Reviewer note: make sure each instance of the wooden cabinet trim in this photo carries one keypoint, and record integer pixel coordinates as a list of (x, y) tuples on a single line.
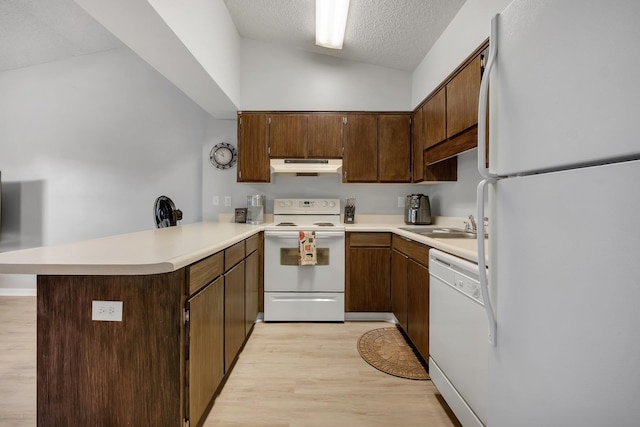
[(369, 239), (452, 147), (204, 271), (252, 243), (414, 250), (233, 255)]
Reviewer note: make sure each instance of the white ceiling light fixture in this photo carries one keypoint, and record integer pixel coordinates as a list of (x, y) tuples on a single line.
[(331, 22)]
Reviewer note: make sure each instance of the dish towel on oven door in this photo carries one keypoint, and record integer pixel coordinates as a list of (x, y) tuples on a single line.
[(307, 253)]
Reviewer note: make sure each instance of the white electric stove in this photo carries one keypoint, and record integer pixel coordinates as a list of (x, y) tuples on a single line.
[(304, 293)]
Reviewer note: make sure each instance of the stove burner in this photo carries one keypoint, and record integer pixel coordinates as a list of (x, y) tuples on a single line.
[(284, 224), (324, 224)]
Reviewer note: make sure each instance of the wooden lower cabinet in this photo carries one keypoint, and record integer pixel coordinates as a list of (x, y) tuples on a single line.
[(399, 287), (234, 322), (410, 290), (205, 358), (251, 282), (368, 267), (418, 306)]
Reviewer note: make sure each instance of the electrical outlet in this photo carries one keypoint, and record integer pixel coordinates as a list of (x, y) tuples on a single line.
[(216, 200), (400, 202), (227, 200), (106, 311)]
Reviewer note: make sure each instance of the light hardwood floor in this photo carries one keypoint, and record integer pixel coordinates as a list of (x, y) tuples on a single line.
[(17, 361), (289, 374), (298, 374)]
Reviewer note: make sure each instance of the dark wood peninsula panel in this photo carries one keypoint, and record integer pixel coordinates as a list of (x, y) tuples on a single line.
[(163, 362)]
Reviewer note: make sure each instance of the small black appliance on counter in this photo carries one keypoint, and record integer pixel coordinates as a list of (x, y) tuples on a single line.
[(417, 209)]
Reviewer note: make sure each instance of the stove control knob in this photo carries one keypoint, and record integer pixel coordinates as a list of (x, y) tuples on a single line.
[(324, 203), (289, 203), (281, 204), (332, 204)]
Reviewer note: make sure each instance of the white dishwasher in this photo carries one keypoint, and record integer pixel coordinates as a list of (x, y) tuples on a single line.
[(458, 337)]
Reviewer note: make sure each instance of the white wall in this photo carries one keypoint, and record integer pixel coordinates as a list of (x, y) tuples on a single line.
[(86, 146), (275, 77), (207, 30), (139, 26)]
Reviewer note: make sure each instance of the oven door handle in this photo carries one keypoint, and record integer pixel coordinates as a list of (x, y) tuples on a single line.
[(295, 234)]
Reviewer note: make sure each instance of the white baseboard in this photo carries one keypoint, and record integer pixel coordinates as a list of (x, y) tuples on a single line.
[(17, 292), (370, 317)]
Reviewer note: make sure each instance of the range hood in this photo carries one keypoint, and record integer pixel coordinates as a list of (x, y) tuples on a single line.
[(304, 167)]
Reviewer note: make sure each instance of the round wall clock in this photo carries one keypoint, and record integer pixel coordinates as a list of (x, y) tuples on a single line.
[(223, 155)]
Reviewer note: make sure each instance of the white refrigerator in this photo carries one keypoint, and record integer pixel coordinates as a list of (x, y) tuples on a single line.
[(562, 193)]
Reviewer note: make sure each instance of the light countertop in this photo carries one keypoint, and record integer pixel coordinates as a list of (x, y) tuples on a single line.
[(169, 249), (145, 252)]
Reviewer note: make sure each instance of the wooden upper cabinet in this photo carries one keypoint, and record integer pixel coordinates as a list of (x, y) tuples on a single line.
[(394, 148), (435, 119), (417, 146), (360, 162), (325, 136), (451, 111), (288, 135), (463, 93), (253, 155)]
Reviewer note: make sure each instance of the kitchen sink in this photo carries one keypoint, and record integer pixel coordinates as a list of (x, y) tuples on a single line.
[(441, 233)]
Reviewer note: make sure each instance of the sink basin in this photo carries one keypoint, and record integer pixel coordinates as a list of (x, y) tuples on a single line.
[(441, 233)]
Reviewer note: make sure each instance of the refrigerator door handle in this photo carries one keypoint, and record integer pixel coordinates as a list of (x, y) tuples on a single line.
[(482, 103), (482, 265)]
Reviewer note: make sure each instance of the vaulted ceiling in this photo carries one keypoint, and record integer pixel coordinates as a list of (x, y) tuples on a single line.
[(390, 33)]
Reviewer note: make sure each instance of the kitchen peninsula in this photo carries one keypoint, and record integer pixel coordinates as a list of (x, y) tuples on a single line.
[(189, 296)]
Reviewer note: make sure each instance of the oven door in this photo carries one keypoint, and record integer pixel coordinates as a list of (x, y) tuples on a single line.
[(283, 274)]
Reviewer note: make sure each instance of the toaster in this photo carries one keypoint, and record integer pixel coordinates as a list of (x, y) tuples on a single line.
[(417, 209)]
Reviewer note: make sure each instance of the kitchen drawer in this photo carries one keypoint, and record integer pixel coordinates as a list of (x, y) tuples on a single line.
[(417, 251), (252, 243), (233, 255), (370, 239), (205, 271)]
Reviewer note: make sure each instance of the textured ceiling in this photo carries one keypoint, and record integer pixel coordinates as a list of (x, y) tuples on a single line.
[(38, 31), (391, 33)]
